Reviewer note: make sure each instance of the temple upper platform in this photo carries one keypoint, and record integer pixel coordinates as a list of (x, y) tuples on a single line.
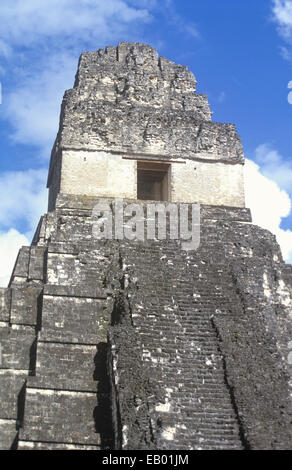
[(133, 126)]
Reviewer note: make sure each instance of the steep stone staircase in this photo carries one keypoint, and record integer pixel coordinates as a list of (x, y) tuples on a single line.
[(176, 295)]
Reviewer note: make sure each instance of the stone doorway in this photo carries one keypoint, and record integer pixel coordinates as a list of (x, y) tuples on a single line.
[(153, 181)]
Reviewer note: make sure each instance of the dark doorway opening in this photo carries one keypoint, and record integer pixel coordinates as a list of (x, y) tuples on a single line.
[(153, 181)]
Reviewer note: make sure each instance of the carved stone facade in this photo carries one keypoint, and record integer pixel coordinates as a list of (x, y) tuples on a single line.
[(128, 344)]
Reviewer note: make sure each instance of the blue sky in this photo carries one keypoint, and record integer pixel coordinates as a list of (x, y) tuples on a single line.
[(240, 52)]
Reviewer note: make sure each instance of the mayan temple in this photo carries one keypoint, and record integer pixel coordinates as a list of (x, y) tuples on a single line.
[(120, 343)]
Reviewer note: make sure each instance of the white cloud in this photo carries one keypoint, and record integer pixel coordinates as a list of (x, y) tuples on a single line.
[(274, 166), (23, 198), (282, 17), (27, 23), (33, 107), (10, 243), (286, 53), (269, 204), (282, 14)]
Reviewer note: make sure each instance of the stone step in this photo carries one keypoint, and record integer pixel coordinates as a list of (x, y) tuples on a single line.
[(60, 416), (8, 434)]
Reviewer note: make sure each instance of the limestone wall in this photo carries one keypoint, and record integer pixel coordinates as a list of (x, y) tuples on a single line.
[(108, 175), (98, 174), (214, 183)]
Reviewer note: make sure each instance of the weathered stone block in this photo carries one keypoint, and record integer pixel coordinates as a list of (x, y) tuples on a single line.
[(60, 416), (75, 320), (5, 304), (17, 348), (8, 434), (74, 291), (11, 394), (36, 263), (20, 271), (239, 214), (25, 304), (75, 367)]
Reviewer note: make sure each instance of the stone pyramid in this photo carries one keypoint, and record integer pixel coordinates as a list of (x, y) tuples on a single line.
[(124, 343)]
